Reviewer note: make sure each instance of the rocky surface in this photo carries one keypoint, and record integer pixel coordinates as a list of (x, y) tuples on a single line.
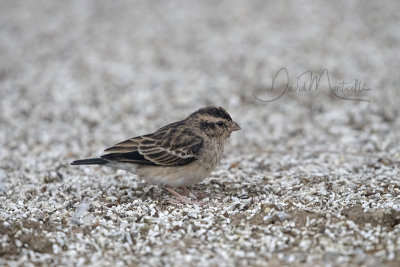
[(312, 179)]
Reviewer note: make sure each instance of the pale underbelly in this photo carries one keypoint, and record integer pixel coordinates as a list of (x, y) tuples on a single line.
[(190, 174)]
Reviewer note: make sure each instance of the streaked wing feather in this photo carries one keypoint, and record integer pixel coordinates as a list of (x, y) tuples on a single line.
[(169, 146), (170, 151), (126, 146), (130, 157)]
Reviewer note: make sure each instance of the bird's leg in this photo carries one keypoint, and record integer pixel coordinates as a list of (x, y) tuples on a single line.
[(181, 198), (185, 191)]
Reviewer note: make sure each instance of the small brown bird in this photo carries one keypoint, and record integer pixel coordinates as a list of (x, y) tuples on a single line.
[(179, 154)]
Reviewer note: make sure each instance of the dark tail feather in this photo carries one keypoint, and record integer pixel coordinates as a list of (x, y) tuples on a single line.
[(98, 161)]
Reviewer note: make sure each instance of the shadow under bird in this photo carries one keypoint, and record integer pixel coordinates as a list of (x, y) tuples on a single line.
[(179, 154)]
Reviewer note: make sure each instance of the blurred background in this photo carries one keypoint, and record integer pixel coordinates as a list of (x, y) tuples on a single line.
[(79, 76)]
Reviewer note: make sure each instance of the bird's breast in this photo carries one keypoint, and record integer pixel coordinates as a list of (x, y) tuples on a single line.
[(211, 154)]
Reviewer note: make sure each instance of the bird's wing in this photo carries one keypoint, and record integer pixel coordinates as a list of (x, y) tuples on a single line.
[(169, 146)]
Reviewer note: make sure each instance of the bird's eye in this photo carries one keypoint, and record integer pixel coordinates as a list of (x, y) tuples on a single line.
[(220, 123)]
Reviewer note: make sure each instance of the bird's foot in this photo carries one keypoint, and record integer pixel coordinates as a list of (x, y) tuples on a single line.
[(185, 191), (182, 199)]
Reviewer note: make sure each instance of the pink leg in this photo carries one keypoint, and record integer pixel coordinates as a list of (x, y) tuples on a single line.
[(186, 192), (181, 198)]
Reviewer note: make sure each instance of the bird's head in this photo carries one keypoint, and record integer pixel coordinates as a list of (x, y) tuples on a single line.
[(214, 122)]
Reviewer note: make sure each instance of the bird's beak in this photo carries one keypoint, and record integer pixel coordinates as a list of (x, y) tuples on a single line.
[(235, 127)]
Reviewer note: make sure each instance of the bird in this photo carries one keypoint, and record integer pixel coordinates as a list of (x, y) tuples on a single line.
[(180, 154)]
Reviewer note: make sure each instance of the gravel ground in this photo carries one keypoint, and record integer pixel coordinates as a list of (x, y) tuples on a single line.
[(312, 179)]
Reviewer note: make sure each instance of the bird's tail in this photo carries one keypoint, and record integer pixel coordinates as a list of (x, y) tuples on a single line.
[(98, 161)]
